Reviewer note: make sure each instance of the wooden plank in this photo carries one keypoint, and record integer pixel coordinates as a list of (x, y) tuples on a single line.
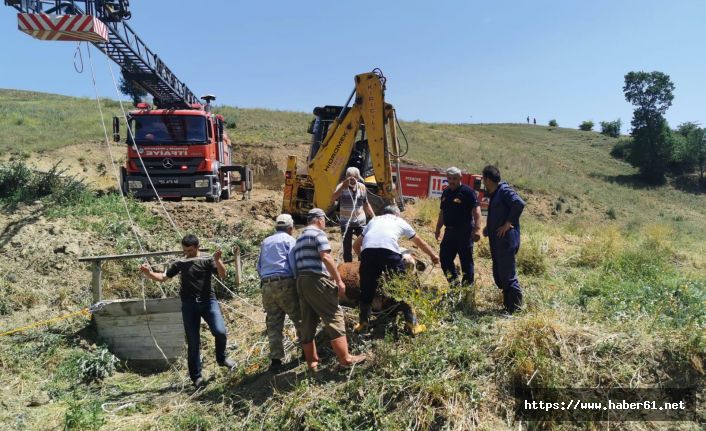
[(123, 343), (141, 331), (96, 282), (131, 307), (141, 354), (132, 255), (238, 266), (153, 319)]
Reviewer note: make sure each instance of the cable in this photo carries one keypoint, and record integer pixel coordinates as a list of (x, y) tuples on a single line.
[(403, 135), (80, 57), (112, 159), (139, 156)]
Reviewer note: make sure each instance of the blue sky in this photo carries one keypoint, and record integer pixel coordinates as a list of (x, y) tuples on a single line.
[(446, 61)]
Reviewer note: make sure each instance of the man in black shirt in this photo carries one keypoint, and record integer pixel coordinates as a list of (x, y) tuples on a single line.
[(197, 300), (461, 218)]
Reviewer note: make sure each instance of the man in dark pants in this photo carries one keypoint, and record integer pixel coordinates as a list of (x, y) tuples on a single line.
[(503, 231), (380, 253), (354, 206), (461, 217), (197, 300)]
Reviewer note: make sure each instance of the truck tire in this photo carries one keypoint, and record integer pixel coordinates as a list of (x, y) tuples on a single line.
[(225, 194)]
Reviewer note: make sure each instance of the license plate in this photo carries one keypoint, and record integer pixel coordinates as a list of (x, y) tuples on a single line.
[(168, 181)]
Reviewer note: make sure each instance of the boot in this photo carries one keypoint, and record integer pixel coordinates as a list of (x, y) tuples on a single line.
[(364, 317), (312, 358), (340, 348), (411, 323), (415, 328)]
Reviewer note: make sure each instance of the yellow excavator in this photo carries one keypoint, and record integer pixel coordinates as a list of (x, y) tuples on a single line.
[(363, 135)]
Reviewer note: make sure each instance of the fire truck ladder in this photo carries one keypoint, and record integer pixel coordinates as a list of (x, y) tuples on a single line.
[(123, 46)]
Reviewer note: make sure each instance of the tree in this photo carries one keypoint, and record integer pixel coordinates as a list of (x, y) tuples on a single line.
[(553, 123), (586, 126), (696, 144), (611, 128), (132, 89), (685, 141), (651, 93)]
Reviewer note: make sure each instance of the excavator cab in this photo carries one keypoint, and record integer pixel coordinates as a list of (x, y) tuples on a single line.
[(319, 127)]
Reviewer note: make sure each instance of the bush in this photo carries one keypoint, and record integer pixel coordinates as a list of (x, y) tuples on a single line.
[(586, 126), (97, 365), (553, 123), (621, 149), (20, 184), (87, 367), (530, 259), (86, 416), (611, 128)]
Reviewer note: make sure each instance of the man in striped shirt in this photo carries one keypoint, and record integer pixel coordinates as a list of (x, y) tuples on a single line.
[(319, 286), (354, 206)]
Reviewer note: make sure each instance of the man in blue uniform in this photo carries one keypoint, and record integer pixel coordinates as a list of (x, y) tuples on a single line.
[(460, 216), (503, 231)]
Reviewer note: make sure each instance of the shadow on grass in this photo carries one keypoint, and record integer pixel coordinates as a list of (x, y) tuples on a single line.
[(260, 387), (633, 181), (689, 184), (13, 228)]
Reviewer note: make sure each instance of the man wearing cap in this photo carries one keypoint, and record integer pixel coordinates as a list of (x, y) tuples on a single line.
[(380, 253), (503, 231), (354, 206), (319, 287), (279, 291), (460, 216)]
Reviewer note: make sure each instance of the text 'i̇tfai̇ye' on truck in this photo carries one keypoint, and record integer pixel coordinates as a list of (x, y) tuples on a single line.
[(363, 135), (181, 146)]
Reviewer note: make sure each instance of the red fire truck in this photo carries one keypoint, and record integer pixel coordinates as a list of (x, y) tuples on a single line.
[(177, 149), (422, 182)]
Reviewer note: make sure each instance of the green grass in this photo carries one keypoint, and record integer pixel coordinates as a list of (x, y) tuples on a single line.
[(614, 277)]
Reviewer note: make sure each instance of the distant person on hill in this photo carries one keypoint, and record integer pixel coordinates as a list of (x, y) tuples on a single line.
[(198, 300), (460, 217), (503, 231), (354, 206), (535, 121), (528, 119)]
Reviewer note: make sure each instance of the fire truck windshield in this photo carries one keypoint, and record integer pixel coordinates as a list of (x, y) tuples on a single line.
[(168, 129)]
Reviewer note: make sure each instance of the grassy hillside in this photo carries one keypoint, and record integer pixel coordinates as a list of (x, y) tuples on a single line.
[(614, 275)]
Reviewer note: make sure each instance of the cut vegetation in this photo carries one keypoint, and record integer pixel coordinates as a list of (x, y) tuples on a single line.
[(614, 274)]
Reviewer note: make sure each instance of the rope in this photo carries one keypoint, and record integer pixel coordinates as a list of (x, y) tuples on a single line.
[(84, 311), (124, 199), (80, 57), (139, 156), (133, 229)]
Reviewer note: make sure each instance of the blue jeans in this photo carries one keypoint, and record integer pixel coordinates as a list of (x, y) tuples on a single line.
[(192, 310), (457, 242)]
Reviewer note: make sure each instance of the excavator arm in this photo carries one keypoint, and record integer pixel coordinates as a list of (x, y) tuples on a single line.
[(327, 166)]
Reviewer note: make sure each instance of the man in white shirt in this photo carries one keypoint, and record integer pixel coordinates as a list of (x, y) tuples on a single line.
[(380, 252)]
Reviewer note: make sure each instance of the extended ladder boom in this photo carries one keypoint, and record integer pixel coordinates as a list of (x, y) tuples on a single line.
[(119, 42)]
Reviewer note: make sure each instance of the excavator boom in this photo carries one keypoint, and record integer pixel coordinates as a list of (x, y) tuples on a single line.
[(367, 126)]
